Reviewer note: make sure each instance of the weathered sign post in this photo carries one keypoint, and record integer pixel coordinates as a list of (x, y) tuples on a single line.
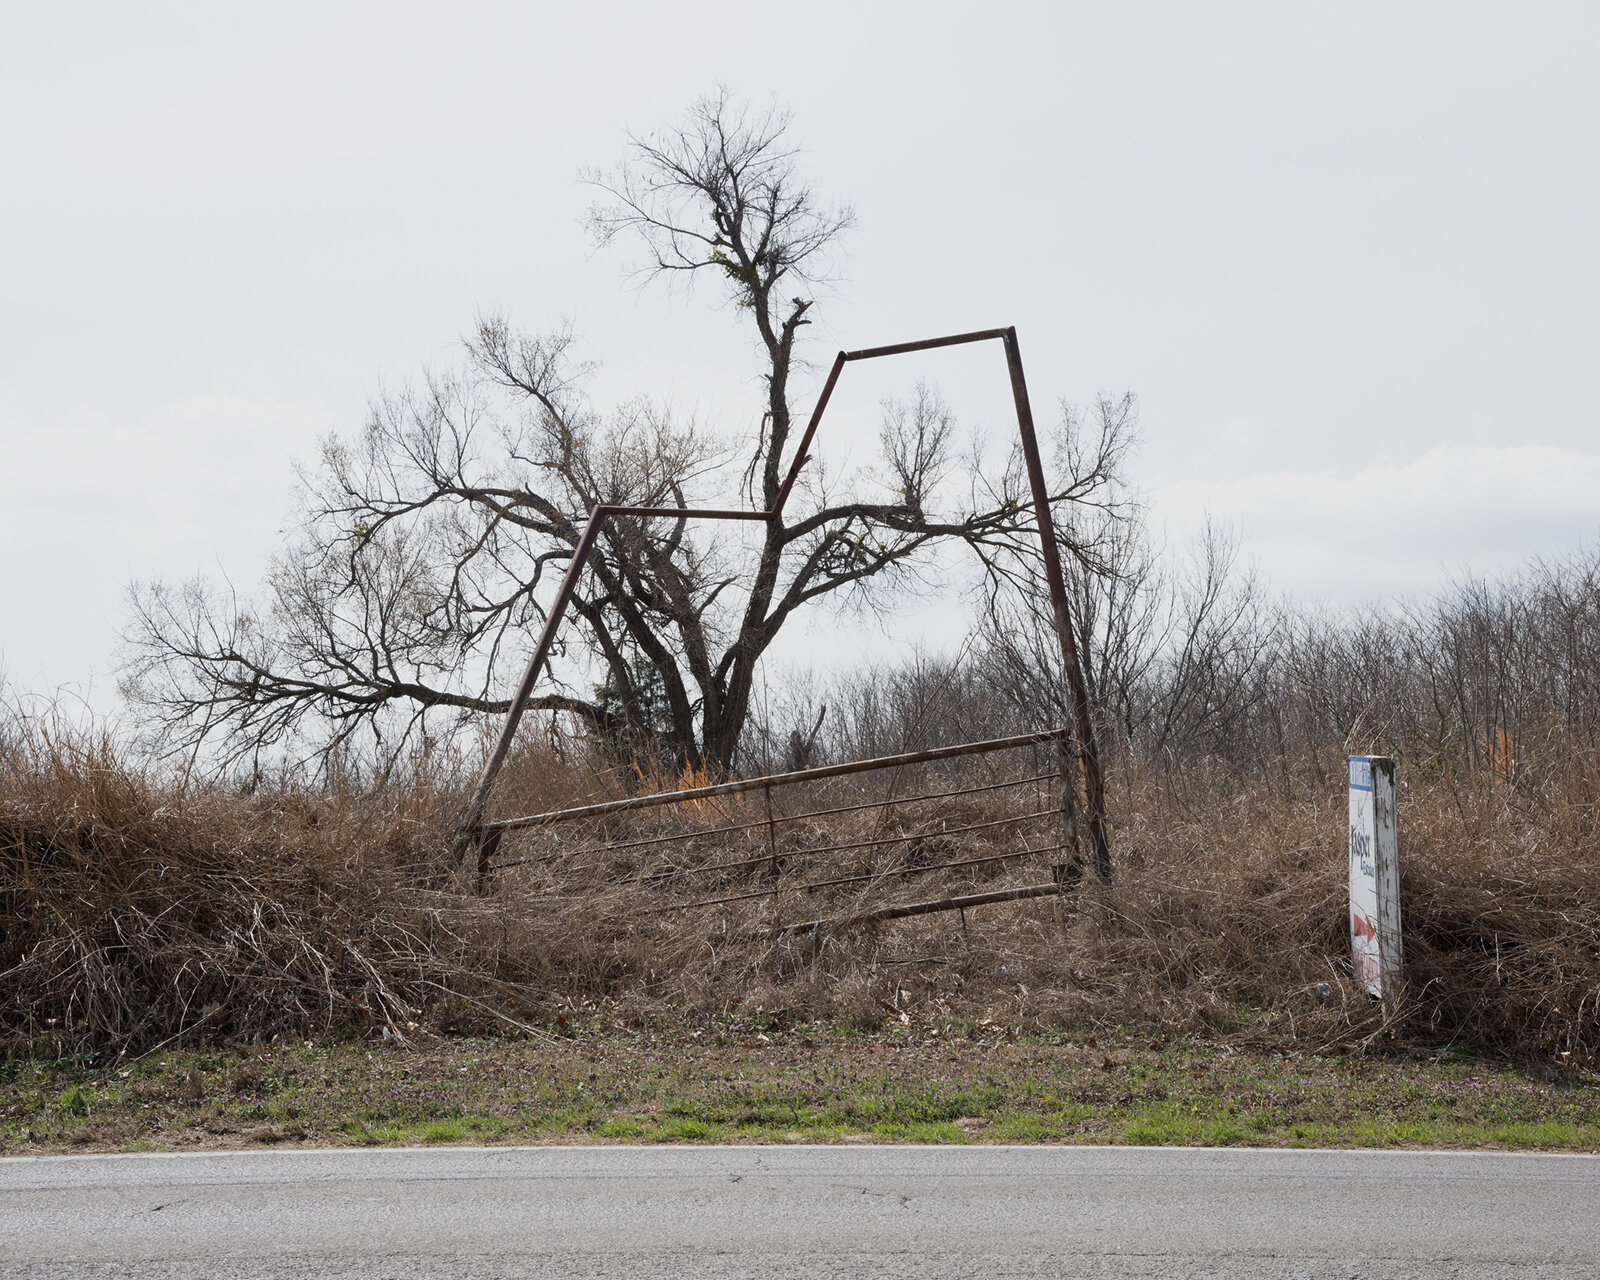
[(1374, 875)]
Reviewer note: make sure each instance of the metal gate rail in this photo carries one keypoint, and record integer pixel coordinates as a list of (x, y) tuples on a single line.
[(1008, 827), (778, 780)]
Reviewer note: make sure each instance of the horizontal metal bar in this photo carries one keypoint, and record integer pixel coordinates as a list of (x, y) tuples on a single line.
[(744, 864), (775, 780), (925, 344), (691, 513), (869, 353), (919, 909), (882, 803), (874, 875), (657, 877)]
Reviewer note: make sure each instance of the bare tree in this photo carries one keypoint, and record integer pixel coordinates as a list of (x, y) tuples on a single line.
[(431, 543), (1177, 651), (1116, 591)]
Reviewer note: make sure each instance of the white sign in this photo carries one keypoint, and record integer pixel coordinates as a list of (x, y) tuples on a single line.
[(1374, 875)]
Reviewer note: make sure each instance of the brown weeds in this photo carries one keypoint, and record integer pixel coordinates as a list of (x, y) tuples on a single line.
[(134, 912)]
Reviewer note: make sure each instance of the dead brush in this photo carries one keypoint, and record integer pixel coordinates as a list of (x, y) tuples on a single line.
[(135, 913)]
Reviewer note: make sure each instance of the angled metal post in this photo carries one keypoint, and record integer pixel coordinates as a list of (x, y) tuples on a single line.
[(1083, 722), (470, 833)]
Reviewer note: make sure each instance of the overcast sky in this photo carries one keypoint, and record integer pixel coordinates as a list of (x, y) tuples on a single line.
[(1344, 255)]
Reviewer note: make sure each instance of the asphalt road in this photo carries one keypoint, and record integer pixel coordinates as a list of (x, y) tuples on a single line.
[(802, 1211)]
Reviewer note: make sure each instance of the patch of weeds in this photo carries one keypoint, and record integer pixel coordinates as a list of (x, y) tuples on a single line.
[(1021, 1128), (940, 1132), (1533, 1136), (679, 1129), (1157, 1129), (1224, 1131)]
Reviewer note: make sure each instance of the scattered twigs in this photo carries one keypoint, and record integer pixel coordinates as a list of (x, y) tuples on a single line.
[(535, 1032), (172, 1039)]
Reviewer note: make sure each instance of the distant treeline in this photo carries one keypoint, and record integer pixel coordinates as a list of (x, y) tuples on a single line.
[(1200, 665)]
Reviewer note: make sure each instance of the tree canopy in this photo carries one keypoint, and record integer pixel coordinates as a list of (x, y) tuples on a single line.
[(430, 543)]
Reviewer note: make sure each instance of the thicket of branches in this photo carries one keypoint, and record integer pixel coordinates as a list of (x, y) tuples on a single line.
[(1192, 662)]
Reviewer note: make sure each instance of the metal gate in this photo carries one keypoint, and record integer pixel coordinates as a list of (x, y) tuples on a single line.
[(942, 829)]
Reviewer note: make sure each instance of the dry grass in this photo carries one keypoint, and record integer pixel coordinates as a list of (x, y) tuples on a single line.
[(134, 913), (1234, 899)]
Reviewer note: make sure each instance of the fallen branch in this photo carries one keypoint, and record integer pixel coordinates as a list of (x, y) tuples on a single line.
[(915, 909)]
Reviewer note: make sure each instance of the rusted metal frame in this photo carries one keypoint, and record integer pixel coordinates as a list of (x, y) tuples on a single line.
[(774, 867), (676, 836), (801, 454), (916, 909), (473, 831), (772, 840), (813, 885), (925, 344), (744, 864), (1088, 752), (660, 798), (472, 828), (1069, 871), (693, 513)]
